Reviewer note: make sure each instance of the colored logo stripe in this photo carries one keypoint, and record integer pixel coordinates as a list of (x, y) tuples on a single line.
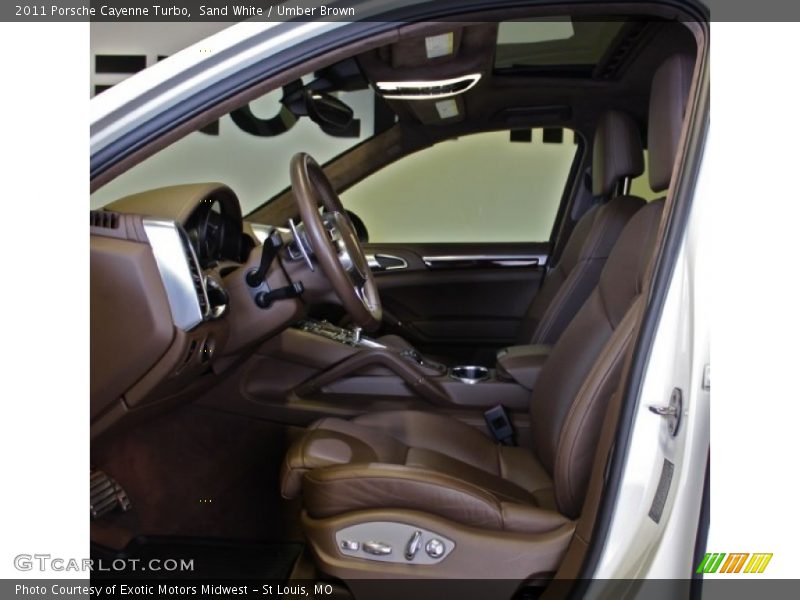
[(758, 563), (710, 562), (713, 562), (734, 563)]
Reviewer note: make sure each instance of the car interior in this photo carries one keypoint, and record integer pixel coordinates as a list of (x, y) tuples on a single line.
[(278, 397)]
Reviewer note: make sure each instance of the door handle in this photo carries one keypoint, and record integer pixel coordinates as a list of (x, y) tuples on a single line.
[(385, 262), (472, 260), (671, 412), (663, 411)]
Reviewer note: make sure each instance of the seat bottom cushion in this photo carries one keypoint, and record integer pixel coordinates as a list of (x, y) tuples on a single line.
[(420, 461)]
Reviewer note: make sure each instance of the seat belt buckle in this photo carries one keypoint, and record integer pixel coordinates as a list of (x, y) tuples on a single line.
[(499, 424)]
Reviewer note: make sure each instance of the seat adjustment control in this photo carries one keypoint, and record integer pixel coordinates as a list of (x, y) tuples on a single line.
[(434, 548), (350, 545), (391, 542), (413, 545), (376, 548)]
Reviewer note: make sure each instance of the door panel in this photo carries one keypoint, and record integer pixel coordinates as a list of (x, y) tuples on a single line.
[(454, 299)]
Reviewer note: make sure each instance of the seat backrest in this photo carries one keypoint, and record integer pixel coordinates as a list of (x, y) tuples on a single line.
[(570, 396), (616, 154)]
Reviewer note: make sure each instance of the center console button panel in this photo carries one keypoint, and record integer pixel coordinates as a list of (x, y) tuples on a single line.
[(351, 337)]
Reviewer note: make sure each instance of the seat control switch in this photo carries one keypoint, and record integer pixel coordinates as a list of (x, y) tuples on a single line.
[(350, 545), (435, 548), (391, 542), (376, 548), (413, 545)]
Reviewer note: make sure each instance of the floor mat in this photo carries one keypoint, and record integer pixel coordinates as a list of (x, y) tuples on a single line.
[(210, 559), (198, 473)]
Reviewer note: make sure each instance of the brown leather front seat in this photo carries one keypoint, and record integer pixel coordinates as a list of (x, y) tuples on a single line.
[(383, 485)]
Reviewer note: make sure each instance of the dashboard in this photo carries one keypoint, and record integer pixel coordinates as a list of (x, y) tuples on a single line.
[(171, 306)]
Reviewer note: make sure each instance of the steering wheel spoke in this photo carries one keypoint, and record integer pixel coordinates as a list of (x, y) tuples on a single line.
[(300, 248)]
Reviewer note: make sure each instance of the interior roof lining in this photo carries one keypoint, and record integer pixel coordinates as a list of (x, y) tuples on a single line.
[(263, 86)]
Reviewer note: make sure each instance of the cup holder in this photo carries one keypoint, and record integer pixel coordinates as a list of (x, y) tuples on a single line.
[(469, 374)]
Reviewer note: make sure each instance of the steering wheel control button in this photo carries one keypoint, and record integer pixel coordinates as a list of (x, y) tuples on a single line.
[(265, 299), (350, 545), (377, 548), (413, 545), (435, 548)]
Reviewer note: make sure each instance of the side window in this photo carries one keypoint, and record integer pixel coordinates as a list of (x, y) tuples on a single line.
[(249, 150), (478, 188)]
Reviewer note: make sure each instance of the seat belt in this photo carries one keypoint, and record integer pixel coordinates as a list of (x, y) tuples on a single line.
[(500, 426)]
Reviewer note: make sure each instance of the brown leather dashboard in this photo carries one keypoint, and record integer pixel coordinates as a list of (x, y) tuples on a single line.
[(169, 307)]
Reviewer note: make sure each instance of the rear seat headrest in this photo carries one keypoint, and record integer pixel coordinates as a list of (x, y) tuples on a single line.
[(669, 95), (616, 152)]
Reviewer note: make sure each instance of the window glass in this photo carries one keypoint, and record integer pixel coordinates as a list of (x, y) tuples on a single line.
[(554, 42), (478, 188), (249, 150)]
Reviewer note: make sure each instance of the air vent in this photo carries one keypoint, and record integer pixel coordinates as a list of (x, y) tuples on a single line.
[(104, 219), (615, 59), (194, 269)]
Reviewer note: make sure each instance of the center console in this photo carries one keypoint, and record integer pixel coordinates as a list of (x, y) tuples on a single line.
[(354, 337), (365, 366), (316, 370)]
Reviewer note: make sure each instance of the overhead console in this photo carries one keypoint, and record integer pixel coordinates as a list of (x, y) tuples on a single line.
[(430, 75)]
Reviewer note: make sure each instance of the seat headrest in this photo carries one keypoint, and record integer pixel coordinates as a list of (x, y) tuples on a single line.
[(616, 152), (669, 95)]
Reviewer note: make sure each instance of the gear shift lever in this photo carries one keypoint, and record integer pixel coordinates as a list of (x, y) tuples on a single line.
[(414, 356)]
